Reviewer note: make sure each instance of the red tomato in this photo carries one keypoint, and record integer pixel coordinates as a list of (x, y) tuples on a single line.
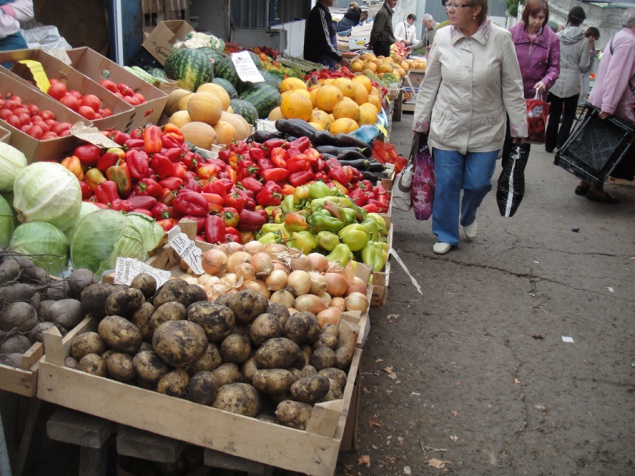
[(49, 135), (91, 101), (61, 127), (50, 122), (87, 112), (33, 109), (77, 94), (11, 104), (14, 121), (24, 118), (64, 133), (46, 114), (57, 90), (106, 112), (36, 132), (4, 113), (98, 116), (37, 118), (109, 85), (131, 100), (21, 110), (16, 98), (1, 102), (70, 102), (125, 89), (140, 97), (42, 126), (54, 80)]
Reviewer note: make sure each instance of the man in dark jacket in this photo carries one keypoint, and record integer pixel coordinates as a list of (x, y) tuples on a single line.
[(382, 35), (320, 38)]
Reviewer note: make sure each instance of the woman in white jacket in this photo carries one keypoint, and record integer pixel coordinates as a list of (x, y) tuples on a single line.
[(472, 80)]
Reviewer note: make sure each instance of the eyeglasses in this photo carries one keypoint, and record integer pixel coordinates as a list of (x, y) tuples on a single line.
[(457, 6)]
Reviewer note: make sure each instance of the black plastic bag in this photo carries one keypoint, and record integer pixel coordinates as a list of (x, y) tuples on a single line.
[(511, 182)]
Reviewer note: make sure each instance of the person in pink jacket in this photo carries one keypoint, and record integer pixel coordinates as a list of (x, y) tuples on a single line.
[(614, 94), (538, 53), (12, 12)]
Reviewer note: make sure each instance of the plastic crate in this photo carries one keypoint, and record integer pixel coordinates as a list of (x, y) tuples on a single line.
[(595, 146)]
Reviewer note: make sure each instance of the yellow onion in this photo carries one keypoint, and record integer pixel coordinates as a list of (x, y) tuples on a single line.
[(245, 271), (357, 302), (275, 250), (318, 283), (282, 296), (277, 280), (231, 247), (299, 282), (257, 285), (326, 297), (237, 258), (309, 302), (358, 285), (319, 262), (262, 263), (330, 315), (301, 263), (277, 264), (254, 246), (339, 303), (214, 262), (336, 284)]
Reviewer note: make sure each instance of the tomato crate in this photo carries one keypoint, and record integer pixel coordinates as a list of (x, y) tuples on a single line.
[(5, 135), (312, 451), (51, 67), (98, 67)]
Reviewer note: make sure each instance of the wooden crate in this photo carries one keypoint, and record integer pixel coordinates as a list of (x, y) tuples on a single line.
[(313, 451)]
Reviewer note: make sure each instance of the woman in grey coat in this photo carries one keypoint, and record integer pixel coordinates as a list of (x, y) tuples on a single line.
[(564, 94)]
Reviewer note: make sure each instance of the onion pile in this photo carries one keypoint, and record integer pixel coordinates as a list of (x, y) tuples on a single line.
[(284, 275)]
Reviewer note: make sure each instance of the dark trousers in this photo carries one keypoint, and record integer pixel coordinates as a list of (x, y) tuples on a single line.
[(557, 134), (381, 49)]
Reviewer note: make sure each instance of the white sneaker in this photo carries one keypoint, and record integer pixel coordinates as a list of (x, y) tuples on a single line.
[(470, 230), (441, 248)]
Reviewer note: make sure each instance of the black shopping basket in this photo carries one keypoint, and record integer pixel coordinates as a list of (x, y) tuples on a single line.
[(595, 146)]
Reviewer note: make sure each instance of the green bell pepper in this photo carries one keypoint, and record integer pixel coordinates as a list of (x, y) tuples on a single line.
[(323, 221), (350, 216), (328, 240), (288, 204), (295, 222), (372, 227), (304, 241), (269, 238), (381, 223), (356, 236), (374, 256), (341, 253), (319, 190)]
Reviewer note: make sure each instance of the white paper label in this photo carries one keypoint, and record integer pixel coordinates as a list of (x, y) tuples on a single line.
[(126, 269), (246, 68), (186, 249), (93, 136)]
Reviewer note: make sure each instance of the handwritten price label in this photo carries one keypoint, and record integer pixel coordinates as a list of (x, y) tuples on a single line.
[(186, 249)]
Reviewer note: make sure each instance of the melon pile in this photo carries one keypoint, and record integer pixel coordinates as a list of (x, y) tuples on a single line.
[(338, 105), (368, 63), (205, 116)]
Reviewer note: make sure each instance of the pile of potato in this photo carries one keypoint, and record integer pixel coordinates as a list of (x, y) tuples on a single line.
[(31, 302), (239, 353)]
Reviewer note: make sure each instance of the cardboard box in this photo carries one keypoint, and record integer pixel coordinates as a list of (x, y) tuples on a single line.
[(5, 135), (122, 112), (159, 42), (98, 67), (36, 150)]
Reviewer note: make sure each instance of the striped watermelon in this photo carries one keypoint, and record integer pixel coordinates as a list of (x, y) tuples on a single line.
[(245, 109), (190, 66), (264, 96), (227, 86), (225, 69), (271, 79)]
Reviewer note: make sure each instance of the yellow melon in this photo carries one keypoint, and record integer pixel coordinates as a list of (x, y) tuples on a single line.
[(296, 106), (360, 95), (200, 134), (275, 114), (313, 92), (218, 91), (321, 117), (303, 92), (405, 65), (364, 80), (327, 97), (290, 83), (357, 66), (205, 107), (328, 81), (241, 131), (384, 68), (343, 125), (346, 86), (172, 103), (367, 114), (375, 101), (179, 118), (183, 101), (317, 125), (346, 108), (225, 133)]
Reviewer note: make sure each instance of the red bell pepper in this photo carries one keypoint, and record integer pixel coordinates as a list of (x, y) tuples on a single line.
[(134, 144), (179, 170), (257, 154), (231, 216), (170, 142), (215, 203), (161, 165), (149, 186), (171, 183), (122, 205), (73, 164), (200, 222), (138, 163), (215, 186), (207, 171), (361, 196), (188, 202), (300, 178), (168, 196), (293, 151), (270, 195), (247, 236), (107, 192), (119, 137), (107, 160), (251, 220), (224, 155), (383, 207), (235, 200), (250, 201), (298, 163), (170, 130), (215, 229), (312, 155), (339, 174), (120, 174), (101, 206), (137, 133), (143, 201), (232, 235), (167, 223), (93, 177), (143, 211), (190, 160), (301, 143), (275, 175), (371, 208), (288, 189), (161, 211), (279, 157), (250, 183), (88, 154), (265, 164), (175, 154), (192, 184), (273, 143), (87, 192)]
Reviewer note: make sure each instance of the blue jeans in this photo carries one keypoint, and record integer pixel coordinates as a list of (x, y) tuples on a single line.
[(454, 171)]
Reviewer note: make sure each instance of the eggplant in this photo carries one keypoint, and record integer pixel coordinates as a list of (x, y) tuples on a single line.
[(371, 176), (359, 164), (345, 140), (296, 127), (376, 166), (350, 154), (263, 136), (322, 138), (331, 149)]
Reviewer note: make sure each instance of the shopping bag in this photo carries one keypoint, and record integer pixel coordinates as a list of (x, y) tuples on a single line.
[(511, 182), (423, 181), (402, 186), (537, 113)]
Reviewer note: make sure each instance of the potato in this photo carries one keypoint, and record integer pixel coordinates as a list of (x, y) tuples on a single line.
[(44, 310), (296, 328), (120, 334), (307, 351), (265, 326), (36, 334), (223, 299), (174, 383), (71, 362), (93, 364), (80, 279), (57, 290), (179, 343), (210, 360), (248, 369), (310, 389), (334, 393), (247, 305), (326, 340), (120, 367), (170, 311), (240, 398), (66, 313), (11, 360), (279, 310), (300, 361), (94, 299), (141, 319), (87, 343), (294, 414), (235, 348), (335, 374), (21, 316), (107, 354), (217, 321), (309, 371), (323, 358), (226, 374), (343, 358), (9, 270), (123, 302), (297, 373), (202, 388), (145, 283), (268, 418), (273, 381), (149, 367), (15, 344), (180, 291), (277, 353), (330, 329)]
